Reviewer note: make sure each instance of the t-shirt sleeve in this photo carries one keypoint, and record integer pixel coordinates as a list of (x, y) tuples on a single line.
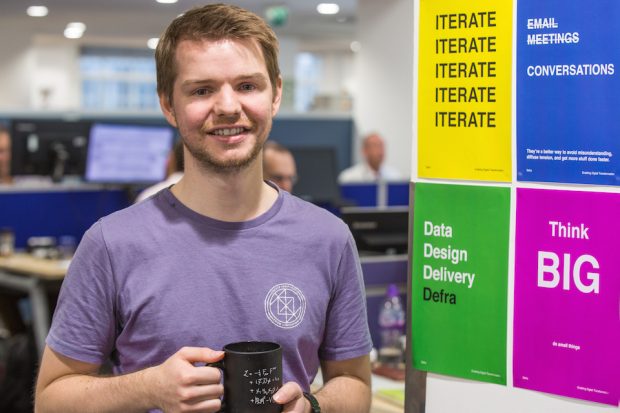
[(83, 326), (347, 335)]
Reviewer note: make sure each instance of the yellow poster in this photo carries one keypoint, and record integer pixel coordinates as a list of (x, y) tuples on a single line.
[(464, 89)]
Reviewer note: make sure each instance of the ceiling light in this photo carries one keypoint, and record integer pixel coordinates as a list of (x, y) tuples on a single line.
[(74, 30), (78, 26), (355, 46), (167, 1), (37, 11), (328, 8), (152, 42), (73, 33)]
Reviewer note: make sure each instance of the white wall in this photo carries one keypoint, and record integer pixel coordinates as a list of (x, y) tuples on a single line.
[(338, 72), (382, 98), (16, 63), (55, 77), (30, 64)]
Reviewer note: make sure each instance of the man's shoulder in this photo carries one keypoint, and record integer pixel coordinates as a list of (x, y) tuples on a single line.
[(357, 174), (133, 217), (306, 214), (353, 173)]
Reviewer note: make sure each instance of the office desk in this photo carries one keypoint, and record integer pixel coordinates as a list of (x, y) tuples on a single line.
[(32, 275), (379, 405)]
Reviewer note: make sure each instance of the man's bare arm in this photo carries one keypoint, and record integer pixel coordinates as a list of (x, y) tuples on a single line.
[(67, 385), (346, 389), (347, 386)]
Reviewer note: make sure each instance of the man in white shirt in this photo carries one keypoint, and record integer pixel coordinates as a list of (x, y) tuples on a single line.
[(372, 168)]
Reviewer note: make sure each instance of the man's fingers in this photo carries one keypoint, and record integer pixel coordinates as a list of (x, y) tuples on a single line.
[(288, 392), (200, 354), (197, 394), (204, 375), (203, 406)]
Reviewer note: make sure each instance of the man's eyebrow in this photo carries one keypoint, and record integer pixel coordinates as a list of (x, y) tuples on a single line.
[(249, 76), (191, 82), (257, 75)]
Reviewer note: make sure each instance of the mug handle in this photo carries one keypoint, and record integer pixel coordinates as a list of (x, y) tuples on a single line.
[(218, 365)]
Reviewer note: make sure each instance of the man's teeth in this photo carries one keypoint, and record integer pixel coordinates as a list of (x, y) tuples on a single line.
[(228, 132)]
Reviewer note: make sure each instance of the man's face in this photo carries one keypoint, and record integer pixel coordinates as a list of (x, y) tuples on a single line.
[(280, 168), (222, 102), (5, 155), (374, 151)]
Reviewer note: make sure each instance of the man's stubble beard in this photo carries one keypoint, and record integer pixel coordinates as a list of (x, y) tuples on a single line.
[(212, 164)]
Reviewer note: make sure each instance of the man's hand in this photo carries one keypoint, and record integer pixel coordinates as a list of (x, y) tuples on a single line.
[(292, 397), (179, 386)]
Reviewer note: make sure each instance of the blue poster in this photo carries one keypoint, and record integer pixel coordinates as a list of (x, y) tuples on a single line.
[(568, 91)]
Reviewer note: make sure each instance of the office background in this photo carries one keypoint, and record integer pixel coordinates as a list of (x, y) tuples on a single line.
[(40, 69), (340, 81)]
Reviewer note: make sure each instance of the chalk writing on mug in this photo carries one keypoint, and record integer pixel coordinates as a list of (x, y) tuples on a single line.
[(264, 383)]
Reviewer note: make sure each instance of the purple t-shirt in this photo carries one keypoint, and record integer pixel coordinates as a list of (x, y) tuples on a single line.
[(157, 276)]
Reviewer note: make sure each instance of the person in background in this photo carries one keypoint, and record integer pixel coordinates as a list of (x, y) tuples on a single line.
[(174, 172), (223, 256), (5, 156), (279, 165), (372, 168)]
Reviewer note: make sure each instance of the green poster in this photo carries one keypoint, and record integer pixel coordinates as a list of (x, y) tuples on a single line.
[(460, 280)]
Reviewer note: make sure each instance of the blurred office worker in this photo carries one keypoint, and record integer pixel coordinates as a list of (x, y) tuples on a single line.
[(5, 156), (160, 287), (174, 173), (279, 165), (372, 168)]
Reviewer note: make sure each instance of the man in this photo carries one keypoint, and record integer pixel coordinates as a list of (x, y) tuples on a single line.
[(160, 287), (279, 166), (5, 156), (174, 173), (372, 169)]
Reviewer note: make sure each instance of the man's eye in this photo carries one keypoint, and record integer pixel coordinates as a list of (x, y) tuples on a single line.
[(247, 87), (201, 92)]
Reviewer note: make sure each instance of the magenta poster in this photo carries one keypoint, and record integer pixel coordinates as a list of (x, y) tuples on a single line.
[(567, 294)]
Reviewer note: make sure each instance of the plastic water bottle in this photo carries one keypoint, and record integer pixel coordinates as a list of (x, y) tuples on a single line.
[(392, 324)]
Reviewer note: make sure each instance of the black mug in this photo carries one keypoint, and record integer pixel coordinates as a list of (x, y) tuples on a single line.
[(252, 373)]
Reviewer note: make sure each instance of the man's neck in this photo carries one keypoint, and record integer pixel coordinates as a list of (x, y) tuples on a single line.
[(232, 197)]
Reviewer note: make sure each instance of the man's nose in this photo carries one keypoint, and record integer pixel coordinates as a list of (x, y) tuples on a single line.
[(227, 102)]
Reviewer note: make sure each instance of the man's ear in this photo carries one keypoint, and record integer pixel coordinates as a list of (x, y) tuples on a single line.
[(277, 97), (168, 110)]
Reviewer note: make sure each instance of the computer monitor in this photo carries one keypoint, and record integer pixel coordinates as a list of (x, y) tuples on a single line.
[(128, 154), (378, 230), (317, 174), (52, 148)]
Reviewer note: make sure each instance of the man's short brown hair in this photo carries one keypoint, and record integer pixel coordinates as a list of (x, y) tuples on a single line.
[(213, 22)]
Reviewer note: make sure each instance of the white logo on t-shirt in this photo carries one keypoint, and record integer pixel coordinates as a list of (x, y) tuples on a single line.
[(285, 305)]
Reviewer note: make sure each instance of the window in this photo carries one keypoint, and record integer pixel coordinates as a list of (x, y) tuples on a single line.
[(118, 79)]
